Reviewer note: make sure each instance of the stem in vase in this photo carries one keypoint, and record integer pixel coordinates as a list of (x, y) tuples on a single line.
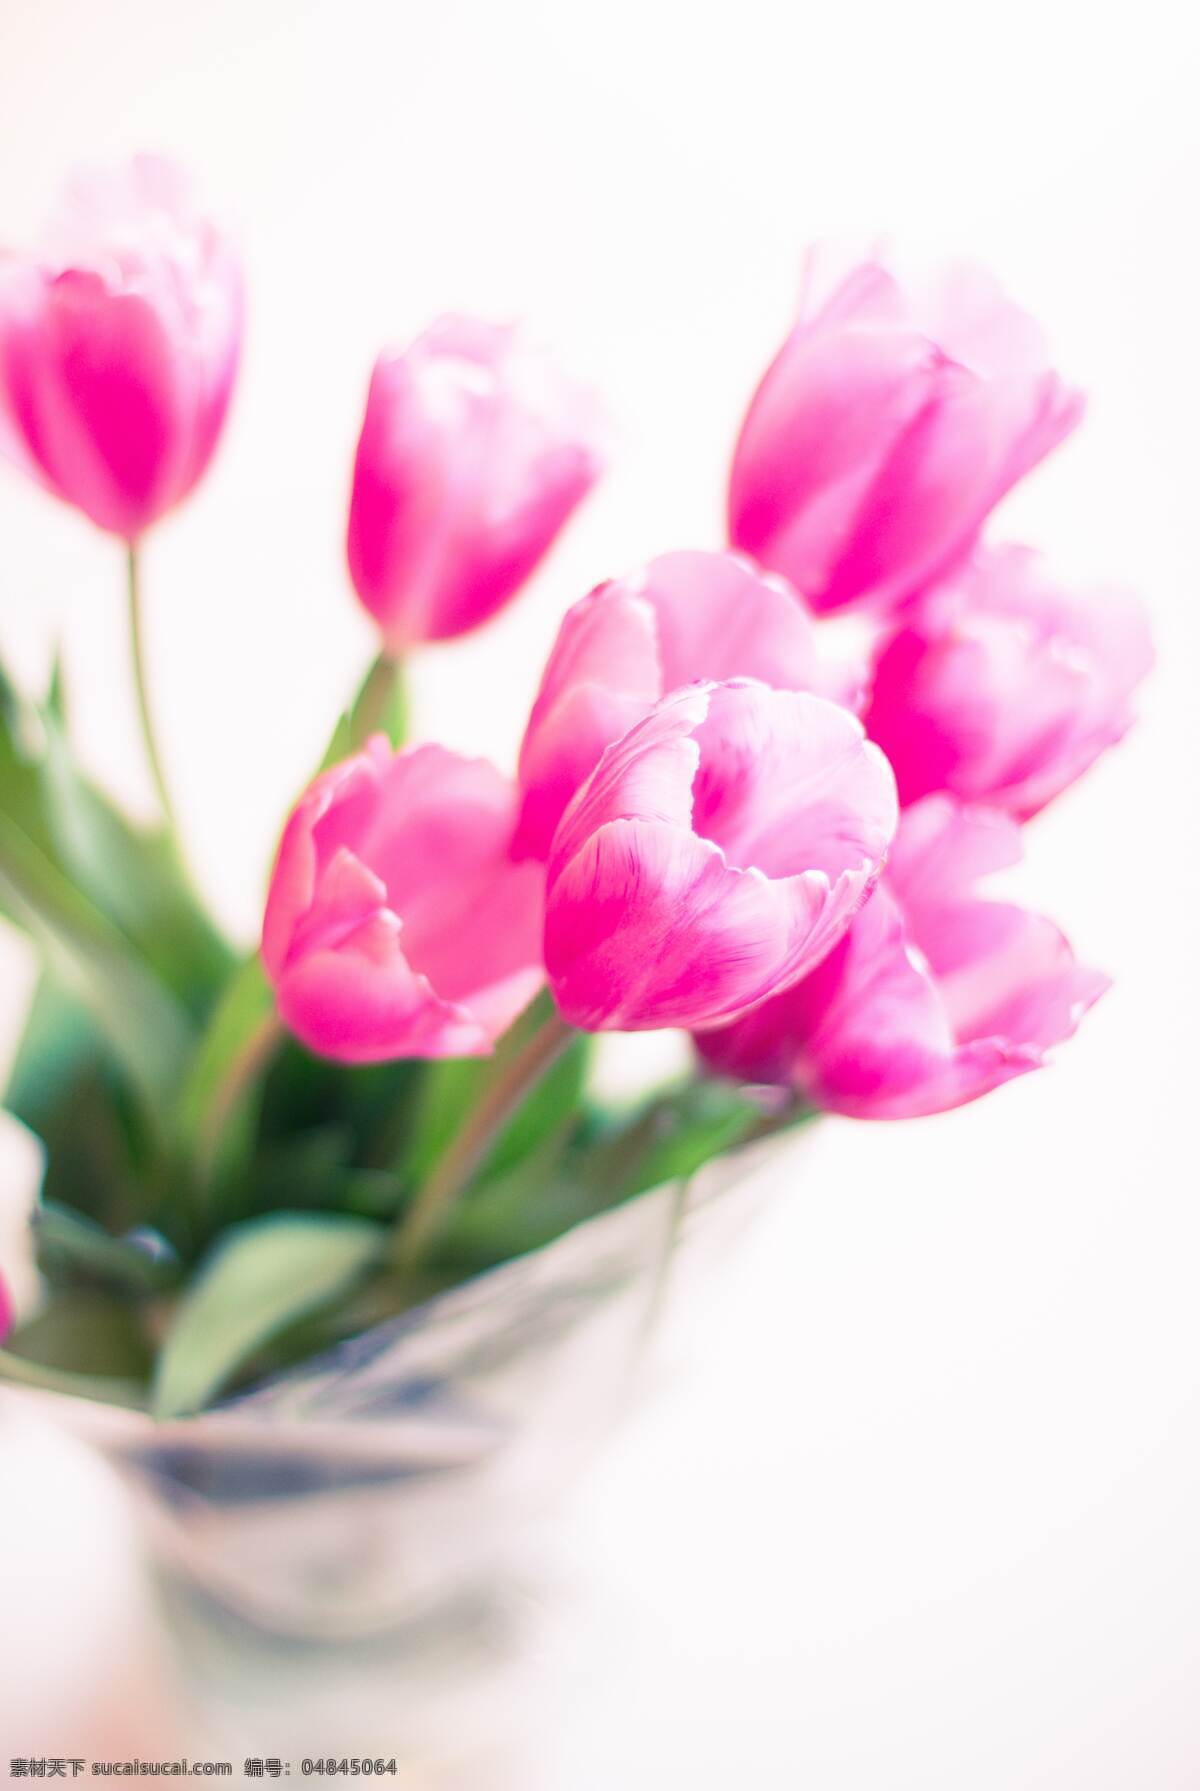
[(483, 1126)]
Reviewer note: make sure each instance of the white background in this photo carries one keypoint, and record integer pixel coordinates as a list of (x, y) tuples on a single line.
[(925, 1513)]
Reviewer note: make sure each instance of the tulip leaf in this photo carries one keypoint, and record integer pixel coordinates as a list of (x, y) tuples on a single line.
[(611, 1159), (222, 1088), (73, 1247), (261, 1277), (104, 1389), (84, 1331), (141, 1020), (131, 875), (135, 876)]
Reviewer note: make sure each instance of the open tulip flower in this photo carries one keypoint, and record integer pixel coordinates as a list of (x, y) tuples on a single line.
[(474, 452), (1003, 687), (682, 618), (890, 423), (251, 1158), (716, 853), (935, 995), (396, 924), (118, 347)]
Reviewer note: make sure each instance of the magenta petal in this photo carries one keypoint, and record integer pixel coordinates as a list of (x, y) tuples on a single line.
[(473, 454), (648, 927), (887, 428), (683, 618), (1004, 687), (397, 923), (716, 853), (118, 351), (364, 1004), (932, 998)]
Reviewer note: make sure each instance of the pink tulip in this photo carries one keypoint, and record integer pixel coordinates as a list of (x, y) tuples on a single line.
[(21, 1166), (889, 424), (717, 852), (118, 347), (396, 924), (1003, 687), (684, 617), (934, 996), (474, 452)]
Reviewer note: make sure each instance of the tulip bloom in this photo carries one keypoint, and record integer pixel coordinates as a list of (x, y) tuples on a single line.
[(1003, 688), (887, 427), (21, 1165), (118, 348), (396, 924), (717, 852), (934, 996), (474, 452), (682, 618)]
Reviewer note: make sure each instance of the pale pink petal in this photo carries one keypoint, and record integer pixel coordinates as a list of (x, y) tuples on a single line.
[(931, 999), (716, 853), (889, 425), (685, 617), (118, 351), (473, 454), (1004, 687), (397, 923)]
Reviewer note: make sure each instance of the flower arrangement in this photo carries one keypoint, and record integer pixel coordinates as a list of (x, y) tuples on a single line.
[(718, 824)]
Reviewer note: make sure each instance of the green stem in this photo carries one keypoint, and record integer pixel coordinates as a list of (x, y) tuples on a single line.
[(141, 685), (371, 710), (243, 1070), (378, 708), (500, 1101)]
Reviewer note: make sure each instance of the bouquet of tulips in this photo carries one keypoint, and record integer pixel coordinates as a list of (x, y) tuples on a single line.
[(722, 822)]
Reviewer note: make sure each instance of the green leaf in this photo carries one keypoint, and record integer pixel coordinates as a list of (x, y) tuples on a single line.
[(262, 1276), (222, 1089), (104, 1389), (67, 1087), (610, 1160), (146, 1028), (134, 875), (379, 707), (50, 822), (71, 1246), (675, 1134), (84, 1331)]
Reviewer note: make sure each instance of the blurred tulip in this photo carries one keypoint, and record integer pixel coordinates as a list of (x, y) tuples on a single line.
[(474, 451), (933, 997), (21, 1165), (396, 924), (716, 853), (85, 1657), (684, 617), (889, 424), (118, 347), (1003, 687)]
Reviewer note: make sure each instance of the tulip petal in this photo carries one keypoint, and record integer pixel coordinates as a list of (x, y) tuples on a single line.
[(397, 924)]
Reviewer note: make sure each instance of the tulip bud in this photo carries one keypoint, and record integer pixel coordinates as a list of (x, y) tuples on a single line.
[(1003, 687), (933, 997), (474, 452), (889, 424), (396, 923), (682, 618), (716, 853), (118, 347)]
